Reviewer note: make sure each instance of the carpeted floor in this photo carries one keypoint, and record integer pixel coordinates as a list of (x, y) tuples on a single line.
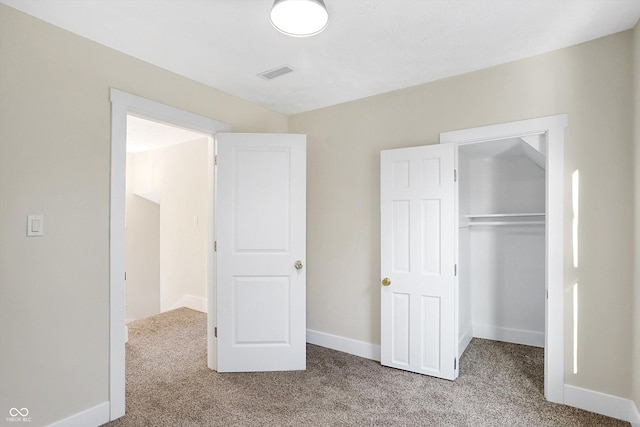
[(168, 384)]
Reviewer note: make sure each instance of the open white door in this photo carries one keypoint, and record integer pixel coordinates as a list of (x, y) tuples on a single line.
[(261, 249), (418, 295)]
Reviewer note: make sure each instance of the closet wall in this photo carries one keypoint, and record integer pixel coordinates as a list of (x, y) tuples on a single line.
[(142, 241), (166, 229), (501, 243)]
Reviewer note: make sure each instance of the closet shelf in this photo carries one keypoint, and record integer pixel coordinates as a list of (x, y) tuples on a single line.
[(487, 223), (484, 220), (506, 215)]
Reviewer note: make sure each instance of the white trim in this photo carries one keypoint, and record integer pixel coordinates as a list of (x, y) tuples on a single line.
[(635, 415), (464, 341), (212, 297), (553, 128), (516, 336), (116, 260), (123, 103), (505, 130), (156, 111), (554, 311), (601, 403), (95, 416), (191, 301), (346, 345)]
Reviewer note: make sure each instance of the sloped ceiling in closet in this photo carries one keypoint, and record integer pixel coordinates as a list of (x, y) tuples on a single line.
[(532, 147)]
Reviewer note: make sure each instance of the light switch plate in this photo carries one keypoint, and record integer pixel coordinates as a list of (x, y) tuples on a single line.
[(35, 225)]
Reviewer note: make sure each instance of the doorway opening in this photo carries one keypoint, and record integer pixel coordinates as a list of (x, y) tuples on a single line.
[(501, 232), (501, 245), (122, 105), (165, 223)]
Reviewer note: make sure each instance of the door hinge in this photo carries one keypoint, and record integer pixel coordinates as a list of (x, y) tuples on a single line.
[(215, 332), (125, 275), (455, 175), (455, 269), (215, 246), (215, 160), (455, 363)]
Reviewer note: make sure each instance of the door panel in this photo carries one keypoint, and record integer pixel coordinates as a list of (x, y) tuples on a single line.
[(400, 329), (431, 316), (262, 311), (431, 243), (262, 201), (417, 255), (260, 229), (400, 239)]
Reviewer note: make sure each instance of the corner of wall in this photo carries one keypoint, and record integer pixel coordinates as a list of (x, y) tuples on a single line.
[(635, 392)]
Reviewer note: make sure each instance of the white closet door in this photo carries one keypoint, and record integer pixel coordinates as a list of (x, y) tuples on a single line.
[(417, 260), (261, 243)]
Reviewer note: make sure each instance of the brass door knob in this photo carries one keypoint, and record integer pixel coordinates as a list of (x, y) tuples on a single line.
[(386, 281)]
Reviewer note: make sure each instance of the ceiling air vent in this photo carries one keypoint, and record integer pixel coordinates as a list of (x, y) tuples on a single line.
[(276, 72)]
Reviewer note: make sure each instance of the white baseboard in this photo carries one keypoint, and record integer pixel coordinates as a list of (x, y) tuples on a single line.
[(516, 336), (464, 341), (192, 302), (346, 345), (635, 416), (601, 403), (95, 416)]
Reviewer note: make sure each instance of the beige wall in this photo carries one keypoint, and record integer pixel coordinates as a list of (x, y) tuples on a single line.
[(636, 263), (183, 244), (142, 240), (166, 252), (589, 82), (54, 160)]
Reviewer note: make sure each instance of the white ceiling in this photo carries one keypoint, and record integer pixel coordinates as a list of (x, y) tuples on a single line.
[(144, 135), (369, 46)]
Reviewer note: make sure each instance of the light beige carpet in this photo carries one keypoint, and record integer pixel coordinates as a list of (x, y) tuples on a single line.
[(168, 384)]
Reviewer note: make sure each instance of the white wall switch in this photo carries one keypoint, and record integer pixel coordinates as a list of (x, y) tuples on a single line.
[(35, 225)]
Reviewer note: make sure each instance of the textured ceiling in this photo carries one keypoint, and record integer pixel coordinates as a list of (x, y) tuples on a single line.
[(369, 46)]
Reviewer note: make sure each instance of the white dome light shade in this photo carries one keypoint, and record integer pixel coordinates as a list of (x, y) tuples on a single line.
[(299, 18)]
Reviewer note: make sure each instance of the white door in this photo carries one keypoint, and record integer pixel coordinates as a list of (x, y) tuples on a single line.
[(261, 248), (418, 296)]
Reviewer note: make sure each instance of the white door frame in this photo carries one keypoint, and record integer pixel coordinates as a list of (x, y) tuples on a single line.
[(553, 128), (123, 103)]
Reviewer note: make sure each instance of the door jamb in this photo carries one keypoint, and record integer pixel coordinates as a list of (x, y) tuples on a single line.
[(123, 103), (553, 128)]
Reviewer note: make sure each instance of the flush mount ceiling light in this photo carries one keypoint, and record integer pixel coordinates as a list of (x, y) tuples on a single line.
[(299, 18)]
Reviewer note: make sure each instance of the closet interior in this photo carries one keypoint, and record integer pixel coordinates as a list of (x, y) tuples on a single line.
[(501, 241)]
